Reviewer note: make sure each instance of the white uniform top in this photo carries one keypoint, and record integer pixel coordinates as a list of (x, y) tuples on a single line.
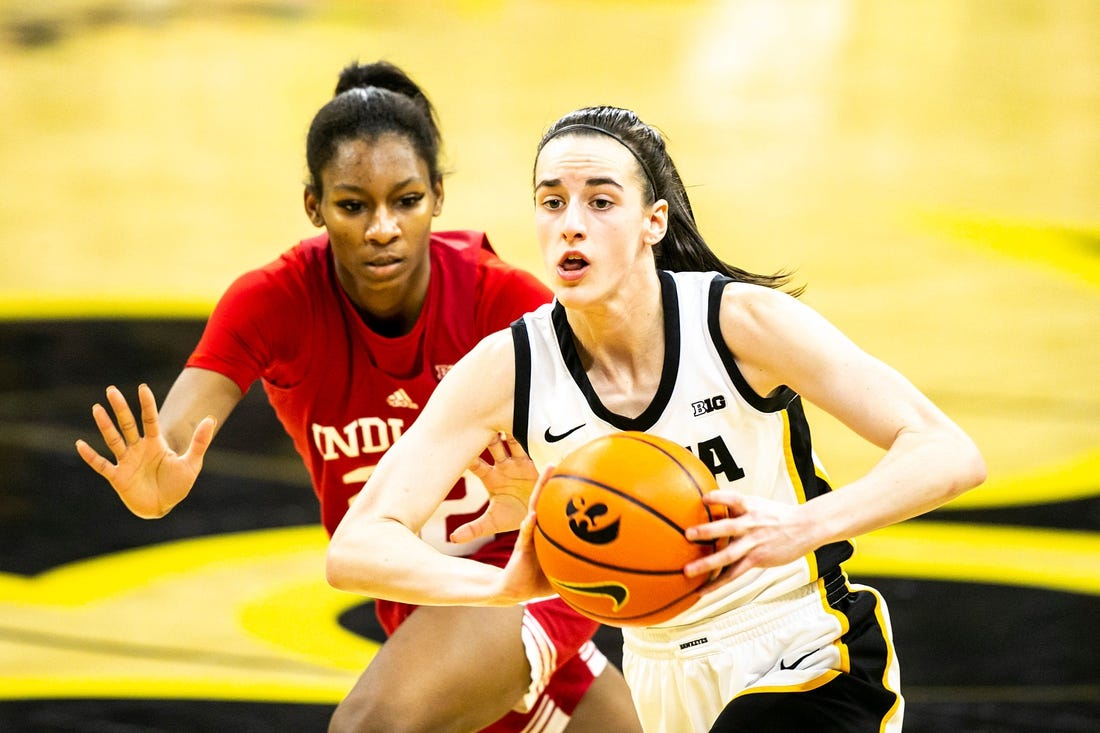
[(755, 445)]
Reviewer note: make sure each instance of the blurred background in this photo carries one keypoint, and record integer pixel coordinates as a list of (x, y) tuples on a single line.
[(931, 171)]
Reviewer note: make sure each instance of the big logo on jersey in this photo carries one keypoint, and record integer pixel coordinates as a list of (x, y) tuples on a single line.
[(590, 522)]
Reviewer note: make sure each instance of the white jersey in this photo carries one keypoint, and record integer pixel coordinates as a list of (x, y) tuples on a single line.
[(755, 445)]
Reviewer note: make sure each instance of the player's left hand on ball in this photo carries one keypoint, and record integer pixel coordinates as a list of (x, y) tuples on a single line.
[(509, 479), (523, 577), (759, 533)]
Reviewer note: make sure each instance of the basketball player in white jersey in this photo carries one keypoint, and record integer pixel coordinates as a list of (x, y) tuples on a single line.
[(650, 331)]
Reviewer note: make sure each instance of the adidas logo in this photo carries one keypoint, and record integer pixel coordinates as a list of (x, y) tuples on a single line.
[(401, 398)]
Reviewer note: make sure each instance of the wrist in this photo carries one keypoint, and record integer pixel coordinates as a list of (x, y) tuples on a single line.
[(818, 524)]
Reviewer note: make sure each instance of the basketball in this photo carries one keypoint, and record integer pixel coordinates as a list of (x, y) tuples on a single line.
[(609, 528)]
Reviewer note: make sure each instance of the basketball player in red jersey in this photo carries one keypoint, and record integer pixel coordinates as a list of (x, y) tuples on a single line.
[(350, 332)]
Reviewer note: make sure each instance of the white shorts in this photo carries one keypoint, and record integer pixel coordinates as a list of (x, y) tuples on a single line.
[(819, 658)]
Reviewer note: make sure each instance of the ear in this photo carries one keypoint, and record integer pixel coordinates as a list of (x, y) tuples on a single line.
[(437, 189), (657, 224), (313, 206)]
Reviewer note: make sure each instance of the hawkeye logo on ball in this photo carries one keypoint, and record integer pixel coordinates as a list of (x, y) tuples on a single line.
[(590, 523)]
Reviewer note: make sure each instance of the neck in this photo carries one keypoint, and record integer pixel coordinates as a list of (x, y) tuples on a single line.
[(621, 342)]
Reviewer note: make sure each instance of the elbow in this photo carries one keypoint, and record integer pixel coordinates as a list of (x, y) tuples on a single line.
[(971, 471), (977, 471), (338, 568), (361, 558)]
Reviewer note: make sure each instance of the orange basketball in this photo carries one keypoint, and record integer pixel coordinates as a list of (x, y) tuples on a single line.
[(609, 529)]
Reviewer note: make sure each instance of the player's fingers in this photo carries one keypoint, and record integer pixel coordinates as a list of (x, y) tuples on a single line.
[(497, 449), (149, 418), (479, 468), (734, 501), (731, 557), (526, 531), (107, 429), (514, 448), (127, 425), (479, 527), (98, 463), (200, 440), (728, 573), (734, 527)]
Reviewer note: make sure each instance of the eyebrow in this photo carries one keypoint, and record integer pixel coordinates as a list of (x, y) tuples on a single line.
[(357, 189), (590, 183)]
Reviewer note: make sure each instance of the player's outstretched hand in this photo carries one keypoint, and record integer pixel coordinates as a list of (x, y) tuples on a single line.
[(148, 475), (509, 479)]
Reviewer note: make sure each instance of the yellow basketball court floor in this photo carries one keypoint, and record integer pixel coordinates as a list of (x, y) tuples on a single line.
[(930, 170)]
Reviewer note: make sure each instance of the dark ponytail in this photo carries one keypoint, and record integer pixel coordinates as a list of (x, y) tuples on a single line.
[(372, 100), (683, 248)]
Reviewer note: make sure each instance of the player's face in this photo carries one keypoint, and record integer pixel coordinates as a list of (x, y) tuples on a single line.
[(593, 226), (377, 204)]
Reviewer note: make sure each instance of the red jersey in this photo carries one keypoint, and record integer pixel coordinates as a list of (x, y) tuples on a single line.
[(344, 393)]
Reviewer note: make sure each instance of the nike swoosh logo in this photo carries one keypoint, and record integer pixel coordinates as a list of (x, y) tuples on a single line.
[(551, 438), (615, 591), (796, 662)]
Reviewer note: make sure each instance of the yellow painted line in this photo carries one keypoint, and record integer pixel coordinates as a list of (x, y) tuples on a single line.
[(303, 619), (1075, 479), (86, 581), (1051, 559), (150, 686), (243, 616), (34, 306), (1068, 250)]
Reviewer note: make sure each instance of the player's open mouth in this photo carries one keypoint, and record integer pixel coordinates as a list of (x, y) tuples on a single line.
[(572, 266)]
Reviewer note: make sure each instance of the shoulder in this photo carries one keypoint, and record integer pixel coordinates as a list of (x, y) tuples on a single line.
[(502, 291), (308, 259), (776, 338), (470, 245), (461, 243), (298, 275), (754, 308), (760, 326)]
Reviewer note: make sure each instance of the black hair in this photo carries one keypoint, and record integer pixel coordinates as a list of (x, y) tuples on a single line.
[(372, 100), (683, 248)]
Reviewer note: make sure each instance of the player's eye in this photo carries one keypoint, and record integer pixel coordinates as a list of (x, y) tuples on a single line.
[(351, 206), (602, 204), (553, 203), (411, 201)]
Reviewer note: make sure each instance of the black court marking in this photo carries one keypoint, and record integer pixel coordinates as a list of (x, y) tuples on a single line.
[(1027, 666)]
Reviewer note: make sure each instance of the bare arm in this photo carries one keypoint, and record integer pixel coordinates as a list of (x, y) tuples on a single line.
[(929, 459), (158, 462), (375, 550)]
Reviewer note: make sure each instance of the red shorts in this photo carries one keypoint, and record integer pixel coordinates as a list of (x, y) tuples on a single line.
[(558, 641)]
